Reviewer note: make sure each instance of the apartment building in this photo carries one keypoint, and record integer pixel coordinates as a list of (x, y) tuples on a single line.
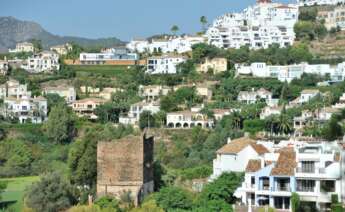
[(311, 169), (66, 92), (23, 47), (287, 73), (26, 109), (46, 61), (257, 26), (176, 44), (62, 49), (216, 65), (86, 107), (166, 64), (107, 57), (250, 97), (12, 88), (303, 3), (188, 119), (137, 109)]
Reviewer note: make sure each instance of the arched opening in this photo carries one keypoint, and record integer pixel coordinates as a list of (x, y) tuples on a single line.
[(178, 125), (207, 125), (199, 124), (171, 125), (185, 125)]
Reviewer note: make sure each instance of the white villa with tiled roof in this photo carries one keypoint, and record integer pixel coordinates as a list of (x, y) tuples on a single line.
[(188, 119)]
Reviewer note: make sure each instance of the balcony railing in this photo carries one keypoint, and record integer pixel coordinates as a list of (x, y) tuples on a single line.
[(311, 171), (283, 188)]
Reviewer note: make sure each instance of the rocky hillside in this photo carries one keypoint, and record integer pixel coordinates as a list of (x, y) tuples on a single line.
[(13, 30)]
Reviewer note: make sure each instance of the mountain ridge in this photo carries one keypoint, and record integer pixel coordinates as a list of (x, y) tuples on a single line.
[(13, 30)]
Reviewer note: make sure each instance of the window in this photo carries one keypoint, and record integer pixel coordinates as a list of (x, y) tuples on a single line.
[(327, 186), (305, 185), (308, 166)]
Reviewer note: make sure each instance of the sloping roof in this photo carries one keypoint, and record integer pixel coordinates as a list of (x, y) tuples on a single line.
[(310, 91), (286, 163), (259, 148), (253, 165), (235, 146)]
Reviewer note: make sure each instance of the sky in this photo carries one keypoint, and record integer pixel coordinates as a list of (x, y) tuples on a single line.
[(124, 19)]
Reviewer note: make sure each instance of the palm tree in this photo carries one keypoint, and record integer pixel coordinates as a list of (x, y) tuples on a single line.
[(284, 123), (203, 21), (174, 29), (237, 119)]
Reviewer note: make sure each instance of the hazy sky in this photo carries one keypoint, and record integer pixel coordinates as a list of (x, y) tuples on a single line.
[(120, 18)]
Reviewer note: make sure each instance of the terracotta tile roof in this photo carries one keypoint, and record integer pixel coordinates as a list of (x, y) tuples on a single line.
[(235, 146), (286, 163), (253, 165), (259, 148)]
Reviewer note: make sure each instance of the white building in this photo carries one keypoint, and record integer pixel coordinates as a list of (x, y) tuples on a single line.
[(46, 61), (26, 109), (136, 109), (12, 88), (188, 119), (179, 44), (66, 92), (319, 2), (106, 56), (165, 64), (312, 170), (250, 97), (257, 26), (306, 96), (234, 156), (289, 72), (23, 47)]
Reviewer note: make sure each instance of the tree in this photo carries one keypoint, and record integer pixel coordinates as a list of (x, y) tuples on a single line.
[(170, 198), (146, 119), (222, 188), (253, 126), (295, 202), (3, 186), (174, 29), (108, 203), (213, 205), (37, 44), (332, 130), (60, 125), (203, 21), (52, 194)]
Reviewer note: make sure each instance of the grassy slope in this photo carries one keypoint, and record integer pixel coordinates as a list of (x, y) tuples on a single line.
[(16, 188), (111, 71)]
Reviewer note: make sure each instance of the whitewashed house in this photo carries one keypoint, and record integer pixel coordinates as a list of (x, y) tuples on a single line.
[(188, 119), (234, 156), (250, 97), (165, 64), (86, 107), (107, 57), (136, 109), (46, 61), (270, 110), (26, 109)]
